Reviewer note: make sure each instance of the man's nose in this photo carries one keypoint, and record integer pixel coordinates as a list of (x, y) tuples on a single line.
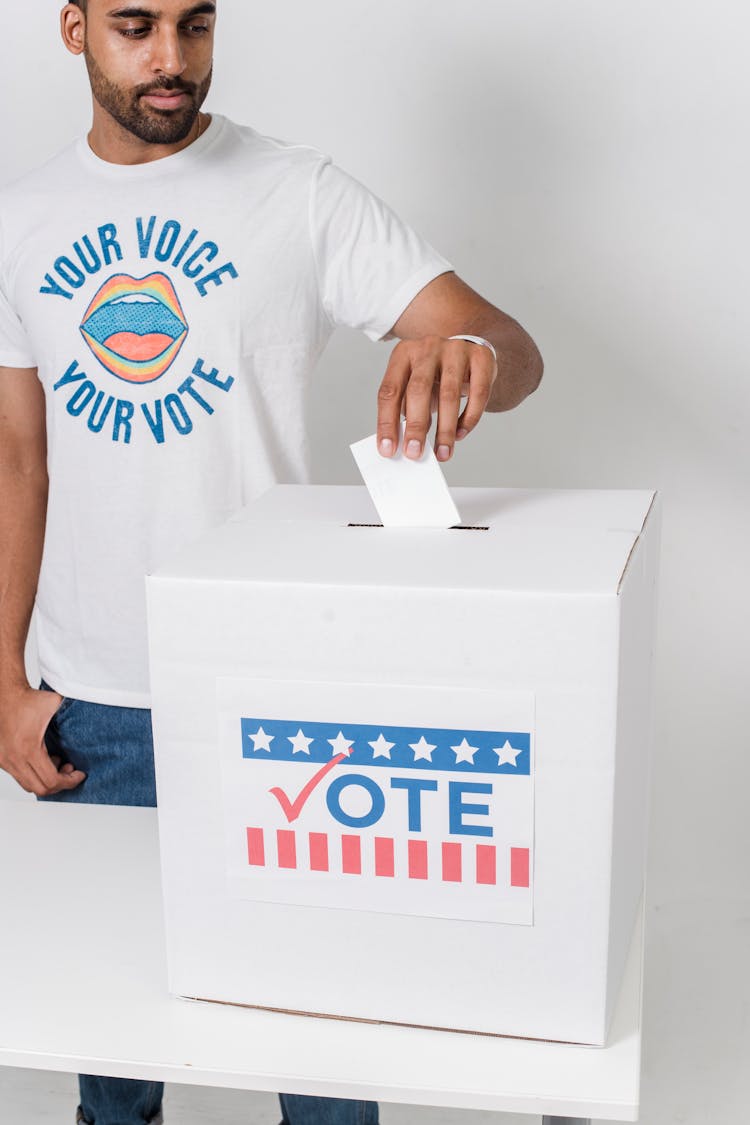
[(168, 56)]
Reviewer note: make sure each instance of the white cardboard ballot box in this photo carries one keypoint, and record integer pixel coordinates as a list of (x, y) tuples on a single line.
[(402, 774)]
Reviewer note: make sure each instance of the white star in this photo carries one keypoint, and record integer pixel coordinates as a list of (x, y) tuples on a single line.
[(422, 749), (261, 740), (506, 754), (341, 744), (300, 744), (380, 747), (464, 752)]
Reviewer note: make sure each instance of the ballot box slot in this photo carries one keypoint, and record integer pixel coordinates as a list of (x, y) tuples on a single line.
[(457, 527)]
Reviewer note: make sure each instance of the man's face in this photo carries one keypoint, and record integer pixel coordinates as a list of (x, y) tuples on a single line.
[(149, 63)]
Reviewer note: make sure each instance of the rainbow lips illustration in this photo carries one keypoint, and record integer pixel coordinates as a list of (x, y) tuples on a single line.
[(135, 327)]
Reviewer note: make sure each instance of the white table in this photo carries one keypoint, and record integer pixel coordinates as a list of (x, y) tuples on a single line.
[(82, 981)]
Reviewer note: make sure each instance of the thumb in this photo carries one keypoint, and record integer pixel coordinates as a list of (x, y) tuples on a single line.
[(47, 704)]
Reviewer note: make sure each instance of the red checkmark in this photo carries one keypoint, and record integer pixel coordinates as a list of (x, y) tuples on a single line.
[(292, 809)]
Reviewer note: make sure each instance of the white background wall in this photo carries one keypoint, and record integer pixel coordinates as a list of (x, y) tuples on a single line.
[(586, 166)]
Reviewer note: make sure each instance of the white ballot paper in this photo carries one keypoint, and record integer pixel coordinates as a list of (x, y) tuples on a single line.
[(406, 493)]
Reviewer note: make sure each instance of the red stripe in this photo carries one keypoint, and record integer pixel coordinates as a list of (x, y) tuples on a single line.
[(351, 855), (286, 847), (384, 856), (417, 859), (256, 853), (451, 863), (486, 864), (318, 851), (519, 867)]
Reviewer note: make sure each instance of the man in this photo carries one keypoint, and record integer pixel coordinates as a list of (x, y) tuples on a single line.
[(166, 287)]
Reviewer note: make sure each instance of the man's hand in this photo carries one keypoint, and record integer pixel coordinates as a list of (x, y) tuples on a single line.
[(429, 371), (428, 375), (24, 717)]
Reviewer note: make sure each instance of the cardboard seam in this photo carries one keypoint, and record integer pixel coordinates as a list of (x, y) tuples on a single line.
[(609, 1014), (636, 541), (388, 1023)]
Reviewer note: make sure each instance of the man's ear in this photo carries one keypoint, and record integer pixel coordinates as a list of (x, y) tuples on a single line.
[(73, 28)]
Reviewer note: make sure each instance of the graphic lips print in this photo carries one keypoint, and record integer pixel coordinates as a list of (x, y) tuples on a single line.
[(135, 327)]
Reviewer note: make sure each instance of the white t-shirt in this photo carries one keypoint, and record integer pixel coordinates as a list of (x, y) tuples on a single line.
[(175, 311)]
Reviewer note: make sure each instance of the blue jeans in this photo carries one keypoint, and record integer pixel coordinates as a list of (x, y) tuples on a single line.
[(114, 747)]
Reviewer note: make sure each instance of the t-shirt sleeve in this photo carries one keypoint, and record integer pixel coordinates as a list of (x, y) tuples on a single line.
[(14, 346), (370, 264)]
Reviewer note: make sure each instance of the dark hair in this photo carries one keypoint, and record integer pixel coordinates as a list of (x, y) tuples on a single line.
[(80, 4)]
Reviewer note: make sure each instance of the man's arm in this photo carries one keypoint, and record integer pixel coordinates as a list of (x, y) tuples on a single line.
[(429, 371), (24, 713)]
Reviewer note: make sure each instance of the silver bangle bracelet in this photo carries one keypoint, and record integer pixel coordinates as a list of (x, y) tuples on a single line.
[(476, 340)]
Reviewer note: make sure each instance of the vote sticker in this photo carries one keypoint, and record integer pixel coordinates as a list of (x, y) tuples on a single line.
[(402, 799)]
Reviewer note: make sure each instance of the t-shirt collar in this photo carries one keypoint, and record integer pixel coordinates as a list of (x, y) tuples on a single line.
[(153, 168)]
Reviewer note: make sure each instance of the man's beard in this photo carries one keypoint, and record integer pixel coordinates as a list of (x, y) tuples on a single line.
[(155, 126)]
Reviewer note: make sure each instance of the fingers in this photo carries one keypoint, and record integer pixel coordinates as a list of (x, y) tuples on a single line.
[(390, 397), (407, 389), (46, 774), (427, 375), (454, 377), (23, 753), (48, 779), (418, 402), (41, 782), (483, 375), (68, 778), (67, 768), (41, 776)]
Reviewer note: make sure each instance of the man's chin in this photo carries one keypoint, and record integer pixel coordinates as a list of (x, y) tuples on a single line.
[(163, 126)]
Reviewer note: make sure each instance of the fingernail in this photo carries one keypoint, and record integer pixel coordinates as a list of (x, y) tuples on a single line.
[(461, 433), (413, 448), (443, 452), (386, 446)]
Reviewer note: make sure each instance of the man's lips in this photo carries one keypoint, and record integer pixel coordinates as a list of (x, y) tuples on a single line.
[(167, 99)]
